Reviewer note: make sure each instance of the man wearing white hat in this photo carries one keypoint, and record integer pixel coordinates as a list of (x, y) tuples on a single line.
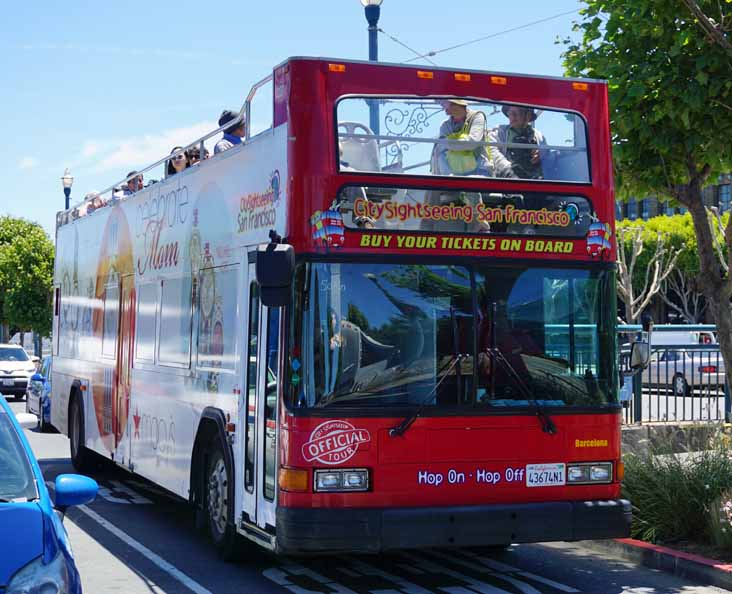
[(461, 150), (510, 160)]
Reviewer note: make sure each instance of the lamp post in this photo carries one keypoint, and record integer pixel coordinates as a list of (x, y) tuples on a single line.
[(67, 181), (372, 8)]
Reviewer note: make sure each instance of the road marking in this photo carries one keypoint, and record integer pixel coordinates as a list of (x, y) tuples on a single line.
[(471, 582), (279, 575), (168, 568), (404, 585)]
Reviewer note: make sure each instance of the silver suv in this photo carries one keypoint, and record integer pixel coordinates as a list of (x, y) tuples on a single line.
[(16, 368)]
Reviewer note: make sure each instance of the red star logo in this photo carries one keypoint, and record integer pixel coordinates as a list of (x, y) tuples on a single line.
[(136, 418)]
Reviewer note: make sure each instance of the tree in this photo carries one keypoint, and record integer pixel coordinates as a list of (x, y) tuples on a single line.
[(657, 267), (670, 103), (26, 276)]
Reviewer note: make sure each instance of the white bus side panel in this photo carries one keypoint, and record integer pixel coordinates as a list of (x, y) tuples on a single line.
[(181, 240)]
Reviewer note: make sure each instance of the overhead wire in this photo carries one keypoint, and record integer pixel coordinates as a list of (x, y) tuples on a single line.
[(414, 51), (505, 31)]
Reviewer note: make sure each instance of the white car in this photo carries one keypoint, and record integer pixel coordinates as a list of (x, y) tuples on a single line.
[(16, 368), (685, 371)]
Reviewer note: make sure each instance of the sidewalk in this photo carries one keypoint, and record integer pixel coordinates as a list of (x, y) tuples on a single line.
[(685, 565)]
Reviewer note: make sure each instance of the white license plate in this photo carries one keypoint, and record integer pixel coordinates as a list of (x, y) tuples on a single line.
[(8, 382), (545, 475)]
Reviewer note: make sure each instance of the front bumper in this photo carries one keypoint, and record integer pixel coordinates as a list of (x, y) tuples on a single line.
[(373, 530)]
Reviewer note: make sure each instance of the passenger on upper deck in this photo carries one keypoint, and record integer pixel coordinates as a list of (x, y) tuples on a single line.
[(232, 135), (177, 163), (194, 154), (512, 161), (135, 184), (461, 151)]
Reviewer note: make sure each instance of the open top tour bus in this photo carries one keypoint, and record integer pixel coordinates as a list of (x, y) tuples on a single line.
[(361, 329)]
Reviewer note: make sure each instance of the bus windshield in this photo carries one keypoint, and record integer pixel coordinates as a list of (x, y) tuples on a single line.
[(390, 335), (461, 137)]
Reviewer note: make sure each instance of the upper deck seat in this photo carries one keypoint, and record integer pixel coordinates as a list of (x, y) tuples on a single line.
[(361, 154)]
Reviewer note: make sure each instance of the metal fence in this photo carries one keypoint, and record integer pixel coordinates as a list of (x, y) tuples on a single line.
[(685, 380)]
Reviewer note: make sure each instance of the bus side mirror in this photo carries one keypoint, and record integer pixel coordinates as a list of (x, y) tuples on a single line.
[(640, 355), (275, 269)]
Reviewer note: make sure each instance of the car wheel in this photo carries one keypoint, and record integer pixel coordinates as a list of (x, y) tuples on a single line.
[(219, 505), (680, 385), (81, 457)]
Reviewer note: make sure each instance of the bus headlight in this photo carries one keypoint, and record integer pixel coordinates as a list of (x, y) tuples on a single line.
[(590, 473), (334, 481)]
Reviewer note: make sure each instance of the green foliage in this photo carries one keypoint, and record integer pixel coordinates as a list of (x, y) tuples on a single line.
[(26, 275), (720, 520), (672, 494), (670, 89)]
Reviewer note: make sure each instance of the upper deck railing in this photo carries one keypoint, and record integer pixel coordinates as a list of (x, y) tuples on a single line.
[(98, 201)]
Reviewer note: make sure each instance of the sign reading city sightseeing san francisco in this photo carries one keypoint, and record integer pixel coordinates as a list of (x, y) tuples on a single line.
[(441, 211), (334, 442)]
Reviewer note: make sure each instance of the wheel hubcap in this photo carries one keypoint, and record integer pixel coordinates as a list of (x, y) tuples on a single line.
[(679, 385), (218, 501)]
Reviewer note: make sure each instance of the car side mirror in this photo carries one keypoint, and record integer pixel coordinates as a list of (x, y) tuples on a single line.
[(640, 355), (27, 420), (37, 377), (275, 268), (74, 489)]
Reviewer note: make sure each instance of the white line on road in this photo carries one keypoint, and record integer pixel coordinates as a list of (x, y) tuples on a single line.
[(171, 570)]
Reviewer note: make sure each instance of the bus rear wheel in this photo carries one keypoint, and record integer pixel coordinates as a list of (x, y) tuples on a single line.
[(219, 506), (81, 458)]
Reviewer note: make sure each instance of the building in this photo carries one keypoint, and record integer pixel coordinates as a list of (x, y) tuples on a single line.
[(719, 195)]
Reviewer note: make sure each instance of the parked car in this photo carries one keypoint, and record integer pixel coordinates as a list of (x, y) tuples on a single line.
[(40, 558), (685, 369), (16, 368), (38, 395)]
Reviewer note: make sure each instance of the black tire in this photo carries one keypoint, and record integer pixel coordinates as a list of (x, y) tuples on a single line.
[(81, 457), (219, 504), (43, 427), (680, 385)]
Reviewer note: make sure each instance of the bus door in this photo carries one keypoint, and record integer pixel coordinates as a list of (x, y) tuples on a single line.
[(260, 404), (127, 308)]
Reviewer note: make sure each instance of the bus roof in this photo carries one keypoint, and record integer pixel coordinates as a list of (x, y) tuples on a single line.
[(437, 68)]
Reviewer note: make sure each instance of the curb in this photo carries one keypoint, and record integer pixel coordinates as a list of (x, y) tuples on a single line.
[(684, 565)]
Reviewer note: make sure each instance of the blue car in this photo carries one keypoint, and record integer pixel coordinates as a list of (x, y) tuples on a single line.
[(38, 395), (36, 555)]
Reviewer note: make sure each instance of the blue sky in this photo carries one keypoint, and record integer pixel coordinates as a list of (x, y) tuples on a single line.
[(106, 87)]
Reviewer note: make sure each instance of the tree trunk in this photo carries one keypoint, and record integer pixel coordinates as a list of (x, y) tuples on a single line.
[(711, 281)]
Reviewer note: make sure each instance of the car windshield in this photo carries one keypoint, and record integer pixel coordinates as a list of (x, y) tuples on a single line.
[(404, 334), (13, 354), (17, 482)]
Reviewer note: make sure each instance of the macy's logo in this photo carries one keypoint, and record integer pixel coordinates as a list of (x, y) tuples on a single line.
[(334, 442)]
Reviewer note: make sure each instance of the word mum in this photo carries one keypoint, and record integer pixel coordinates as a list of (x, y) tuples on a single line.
[(391, 211)]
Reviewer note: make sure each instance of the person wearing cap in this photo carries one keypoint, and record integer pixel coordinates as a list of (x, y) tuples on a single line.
[(512, 161), (232, 135), (461, 149)]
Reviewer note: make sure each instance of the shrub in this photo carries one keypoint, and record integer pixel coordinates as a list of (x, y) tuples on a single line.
[(673, 494), (720, 520)]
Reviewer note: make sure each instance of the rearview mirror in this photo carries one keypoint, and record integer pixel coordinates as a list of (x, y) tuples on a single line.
[(640, 355), (74, 489), (37, 377), (27, 420), (275, 268)]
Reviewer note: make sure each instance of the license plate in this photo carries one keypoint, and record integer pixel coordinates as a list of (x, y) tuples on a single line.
[(8, 382), (545, 475)]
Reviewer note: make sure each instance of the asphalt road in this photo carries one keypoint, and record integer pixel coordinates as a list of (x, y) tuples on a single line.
[(135, 539)]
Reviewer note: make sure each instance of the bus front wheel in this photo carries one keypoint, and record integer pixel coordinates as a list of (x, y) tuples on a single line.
[(219, 505)]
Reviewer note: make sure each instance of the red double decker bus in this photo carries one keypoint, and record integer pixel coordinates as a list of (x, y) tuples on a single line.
[(384, 322)]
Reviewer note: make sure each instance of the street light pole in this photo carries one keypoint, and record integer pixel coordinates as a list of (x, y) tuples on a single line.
[(67, 181), (372, 8)]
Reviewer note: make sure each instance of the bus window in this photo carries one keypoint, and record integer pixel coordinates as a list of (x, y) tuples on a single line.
[(111, 316), (147, 305), (217, 318), (464, 137), (251, 404), (270, 405), (175, 323)]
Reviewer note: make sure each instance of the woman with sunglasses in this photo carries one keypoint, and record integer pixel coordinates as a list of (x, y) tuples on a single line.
[(179, 162)]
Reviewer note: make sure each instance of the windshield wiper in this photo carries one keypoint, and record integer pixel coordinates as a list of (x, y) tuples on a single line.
[(401, 428), (497, 356)]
